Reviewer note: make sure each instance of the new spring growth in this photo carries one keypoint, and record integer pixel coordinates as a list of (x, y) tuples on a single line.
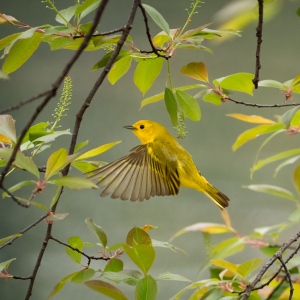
[(64, 102)]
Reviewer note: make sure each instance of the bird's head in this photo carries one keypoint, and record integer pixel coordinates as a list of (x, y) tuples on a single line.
[(147, 131)]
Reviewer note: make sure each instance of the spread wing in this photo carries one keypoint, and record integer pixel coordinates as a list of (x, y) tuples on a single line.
[(138, 176)]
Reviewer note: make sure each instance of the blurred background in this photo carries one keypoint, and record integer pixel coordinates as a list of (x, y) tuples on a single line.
[(208, 141)]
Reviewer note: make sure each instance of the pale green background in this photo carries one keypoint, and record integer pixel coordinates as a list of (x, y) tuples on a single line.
[(208, 141)]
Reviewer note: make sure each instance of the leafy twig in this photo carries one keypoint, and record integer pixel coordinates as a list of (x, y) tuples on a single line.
[(89, 258), (262, 105)]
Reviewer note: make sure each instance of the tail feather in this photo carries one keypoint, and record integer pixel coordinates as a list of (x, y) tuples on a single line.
[(218, 197)]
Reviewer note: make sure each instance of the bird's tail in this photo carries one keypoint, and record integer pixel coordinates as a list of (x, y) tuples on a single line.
[(215, 195)]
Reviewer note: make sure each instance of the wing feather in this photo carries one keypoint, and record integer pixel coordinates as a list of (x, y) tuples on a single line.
[(137, 176)]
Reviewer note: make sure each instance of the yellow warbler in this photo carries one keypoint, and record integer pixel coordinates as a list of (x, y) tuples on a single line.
[(156, 168)]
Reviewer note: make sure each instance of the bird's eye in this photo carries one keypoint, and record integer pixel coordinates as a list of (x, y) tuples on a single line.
[(142, 126)]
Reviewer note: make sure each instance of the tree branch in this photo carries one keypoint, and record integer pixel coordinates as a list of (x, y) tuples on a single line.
[(262, 105), (89, 258), (259, 29), (276, 256)]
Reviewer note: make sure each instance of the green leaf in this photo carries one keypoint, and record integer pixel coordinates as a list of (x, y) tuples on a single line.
[(18, 186), (296, 178), (5, 264), (226, 265), (86, 7), (146, 289), (212, 98), (271, 83), (246, 268), (171, 276), (189, 105), (228, 247), (74, 183), (137, 236), (3, 75), (142, 255), (81, 145), (157, 18), (146, 72), (57, 217), (104, 60), (83, 276), (195, 70), (20, 52), (114, 265), (75, 242), (61, 284), (65, 15), (279, 156), (57, 161), (251, 119), (287, 117), (252, 133), (87, 166), (241, 82), (97, 151), (130, 277), (160, 39), (272, 190), (119, 69), (171, 105), (162, 244), (160, 96), (212, 228), (8, 238), (7, 129), (106, 289), (8, 39), (269, 250), (36, 131), (97, 231), (32, 203), (21, 161)]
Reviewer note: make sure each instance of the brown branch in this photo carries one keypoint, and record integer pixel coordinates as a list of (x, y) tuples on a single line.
[(14, 198), (262, 105), (24, 230), (251, 287), (89, 258), (154, 50), (259, 29), (101, 33), (288, 275)]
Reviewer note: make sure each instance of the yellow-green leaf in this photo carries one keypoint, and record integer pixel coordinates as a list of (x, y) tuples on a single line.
[(97, 151), (241, 82), (251, 119), (272, 190), (76, 243), (119, 69), (195, 70), (171, 105), (20, 52), (55, 162), (157, 18), (5, 264), (137, 236), (146, 72), (226, 265), (246, 268), (273, 158), (106, 289), (296, 178), (7, 238), (189, 105), (146, 289), (18, 186), (74, 183), (160, 39), (83, 276), (255, 132), (97, 231)]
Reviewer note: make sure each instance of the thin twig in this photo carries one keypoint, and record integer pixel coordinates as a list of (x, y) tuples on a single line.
[(278, 254), (14, 198), (288, 277), (24, 230), (262, 105), (101, 33), (259, 29), (271, 295), (154, 50), (89, 258)]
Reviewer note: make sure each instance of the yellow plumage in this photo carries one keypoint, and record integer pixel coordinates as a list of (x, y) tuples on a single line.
[(156, 168)]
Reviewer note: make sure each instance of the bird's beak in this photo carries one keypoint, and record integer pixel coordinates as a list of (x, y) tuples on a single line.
[(129, 127)]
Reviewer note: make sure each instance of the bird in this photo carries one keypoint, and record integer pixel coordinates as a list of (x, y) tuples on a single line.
[(157, 167)]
